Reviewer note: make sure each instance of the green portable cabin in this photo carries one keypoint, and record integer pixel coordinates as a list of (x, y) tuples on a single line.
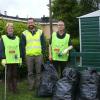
[(89, 31)]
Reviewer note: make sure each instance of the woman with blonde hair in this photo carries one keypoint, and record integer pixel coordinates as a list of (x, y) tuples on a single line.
[(10, 52)]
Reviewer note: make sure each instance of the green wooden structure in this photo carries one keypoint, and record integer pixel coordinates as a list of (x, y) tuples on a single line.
[(89, 30)]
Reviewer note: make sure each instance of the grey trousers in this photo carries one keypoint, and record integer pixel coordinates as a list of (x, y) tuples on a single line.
[(34, 70)]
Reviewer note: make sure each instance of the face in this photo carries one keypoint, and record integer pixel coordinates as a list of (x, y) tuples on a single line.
[(61, 26), (31, 24), (10, 29)]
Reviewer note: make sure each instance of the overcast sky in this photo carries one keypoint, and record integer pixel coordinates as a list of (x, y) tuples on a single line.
[(25, 8)]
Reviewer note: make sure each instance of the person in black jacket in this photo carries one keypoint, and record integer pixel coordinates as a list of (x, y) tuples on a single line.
[(59, 47), (11, 55), (33, 45)]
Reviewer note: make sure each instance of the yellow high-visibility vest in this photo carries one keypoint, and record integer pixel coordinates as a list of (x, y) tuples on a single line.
[(58, 45), (33, 43), (12, 51)]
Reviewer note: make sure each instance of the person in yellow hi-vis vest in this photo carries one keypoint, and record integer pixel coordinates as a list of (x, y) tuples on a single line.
[(33, 43), (10, 54), (59, 47)]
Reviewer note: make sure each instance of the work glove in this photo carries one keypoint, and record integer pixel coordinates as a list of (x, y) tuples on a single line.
[(3, 62), (65, 51)]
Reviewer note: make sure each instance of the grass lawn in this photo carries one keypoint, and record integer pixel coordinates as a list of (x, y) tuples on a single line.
[(24, 93)]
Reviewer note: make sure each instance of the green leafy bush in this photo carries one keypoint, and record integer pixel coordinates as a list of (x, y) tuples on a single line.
[(76, 43)]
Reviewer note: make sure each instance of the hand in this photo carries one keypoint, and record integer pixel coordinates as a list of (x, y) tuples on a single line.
[(60, 54), (3, 62), (50, 57)]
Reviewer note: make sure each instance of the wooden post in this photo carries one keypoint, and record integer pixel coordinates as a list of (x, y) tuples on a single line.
[(50, 17)]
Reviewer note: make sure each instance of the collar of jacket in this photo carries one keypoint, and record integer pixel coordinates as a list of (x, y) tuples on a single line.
[(11, 36)]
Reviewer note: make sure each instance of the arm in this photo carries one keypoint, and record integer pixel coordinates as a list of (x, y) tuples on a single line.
[(2, 49), (50, 51), (43, 43), (2, 53), (50, 54), (70, 47), (67, 49), (22, 46)]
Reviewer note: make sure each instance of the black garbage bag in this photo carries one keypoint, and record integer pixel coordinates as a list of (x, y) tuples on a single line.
[(48, 80), (70, 74), (66, 87), (89, 85)]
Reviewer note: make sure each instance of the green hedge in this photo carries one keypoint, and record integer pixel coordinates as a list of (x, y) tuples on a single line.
[(19, 27), (76, 44)]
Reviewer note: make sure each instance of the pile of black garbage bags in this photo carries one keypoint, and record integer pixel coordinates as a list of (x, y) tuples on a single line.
[(74, 85), (48, 80)]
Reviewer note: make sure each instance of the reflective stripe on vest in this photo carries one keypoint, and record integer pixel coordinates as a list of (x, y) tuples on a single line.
[(58, 45), (33, 44), (12, 50)]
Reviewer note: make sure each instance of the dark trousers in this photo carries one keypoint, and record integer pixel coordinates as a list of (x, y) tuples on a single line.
[(59, 66), (12, 77), (34, 70)]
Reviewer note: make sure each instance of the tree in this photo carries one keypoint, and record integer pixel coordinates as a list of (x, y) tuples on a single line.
[(87, 6), (67, 10), (2, 26)]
